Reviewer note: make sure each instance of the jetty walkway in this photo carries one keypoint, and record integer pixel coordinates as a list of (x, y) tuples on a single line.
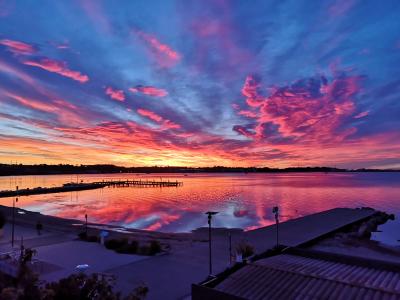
[(69, 187), (303, 230)]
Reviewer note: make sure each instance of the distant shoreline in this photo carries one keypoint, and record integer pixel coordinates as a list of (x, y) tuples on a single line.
[(20, 170)]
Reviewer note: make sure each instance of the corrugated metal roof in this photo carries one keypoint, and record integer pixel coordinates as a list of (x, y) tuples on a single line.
[(296, 277)]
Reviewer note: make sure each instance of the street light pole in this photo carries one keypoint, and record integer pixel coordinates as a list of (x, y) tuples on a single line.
[(86, 224), (210, 214), (275, 210), (13, 219), (230, 249)]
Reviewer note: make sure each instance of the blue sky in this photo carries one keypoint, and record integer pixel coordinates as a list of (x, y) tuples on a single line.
[(260, 83)]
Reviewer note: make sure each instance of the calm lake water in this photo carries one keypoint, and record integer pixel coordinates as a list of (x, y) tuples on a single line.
[(243, 200)]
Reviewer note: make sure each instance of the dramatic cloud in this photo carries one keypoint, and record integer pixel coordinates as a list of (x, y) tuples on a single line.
[(310, 109), (18, 47), (58, 67), (115, 94), (149, 91)]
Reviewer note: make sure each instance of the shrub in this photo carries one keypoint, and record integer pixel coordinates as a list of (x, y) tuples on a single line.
[(245, 249), (82, 235), (92, 239), (132, 247), (129, 248), (88, 238), (114, 244), (144, 250), (2, 219), (154, 248)]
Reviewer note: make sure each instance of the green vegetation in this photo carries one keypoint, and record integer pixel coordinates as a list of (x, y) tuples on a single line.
[(132, 247), (77, 286), (125, 246), (42, 169), (88, 238), (26, 286), (245, 249)]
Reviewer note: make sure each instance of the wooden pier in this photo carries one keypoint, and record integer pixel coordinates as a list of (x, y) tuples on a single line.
[(139, 183), (70, 187)]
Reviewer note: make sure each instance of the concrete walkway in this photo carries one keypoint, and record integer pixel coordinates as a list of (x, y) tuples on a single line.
[(65, 257), (31, 238)]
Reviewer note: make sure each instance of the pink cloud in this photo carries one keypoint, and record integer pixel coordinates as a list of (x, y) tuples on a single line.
[(362, 114), (243, 131), (18, 47), (341, 7), (251, 91), (13, 71), (235, 106), (248, 113), (31, 103), (58, 67), (115, 94), (311, 110), (164, 54), (219, 35), (149, 90), (95, 12), (165, 124), (65, 104), (170, 125), (149, 114)]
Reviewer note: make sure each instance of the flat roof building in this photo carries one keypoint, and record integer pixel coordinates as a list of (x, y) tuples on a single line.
[(303, 274)]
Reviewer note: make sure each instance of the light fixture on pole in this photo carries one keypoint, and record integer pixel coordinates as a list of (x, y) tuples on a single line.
[(275, 210), (86, 224), (13, 219), (210, 214)]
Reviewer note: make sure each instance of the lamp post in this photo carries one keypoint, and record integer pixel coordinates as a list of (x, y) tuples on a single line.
[(210, 214), (86, 224), (13, 219), (275, 210), (230, 249)]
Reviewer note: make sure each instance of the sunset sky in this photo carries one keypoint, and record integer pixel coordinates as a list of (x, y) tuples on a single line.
[(201, 83)]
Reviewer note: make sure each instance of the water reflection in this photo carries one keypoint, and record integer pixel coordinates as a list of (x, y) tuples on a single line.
[(243, 200)]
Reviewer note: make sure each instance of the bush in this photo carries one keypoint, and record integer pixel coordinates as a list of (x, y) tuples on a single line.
[(144, 250), (2, 219), (88, 238), (155, 247), (82, 236), (92, 239), (129, 248), (114, 244), (152, 249), (245, 249), (132, 247)]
